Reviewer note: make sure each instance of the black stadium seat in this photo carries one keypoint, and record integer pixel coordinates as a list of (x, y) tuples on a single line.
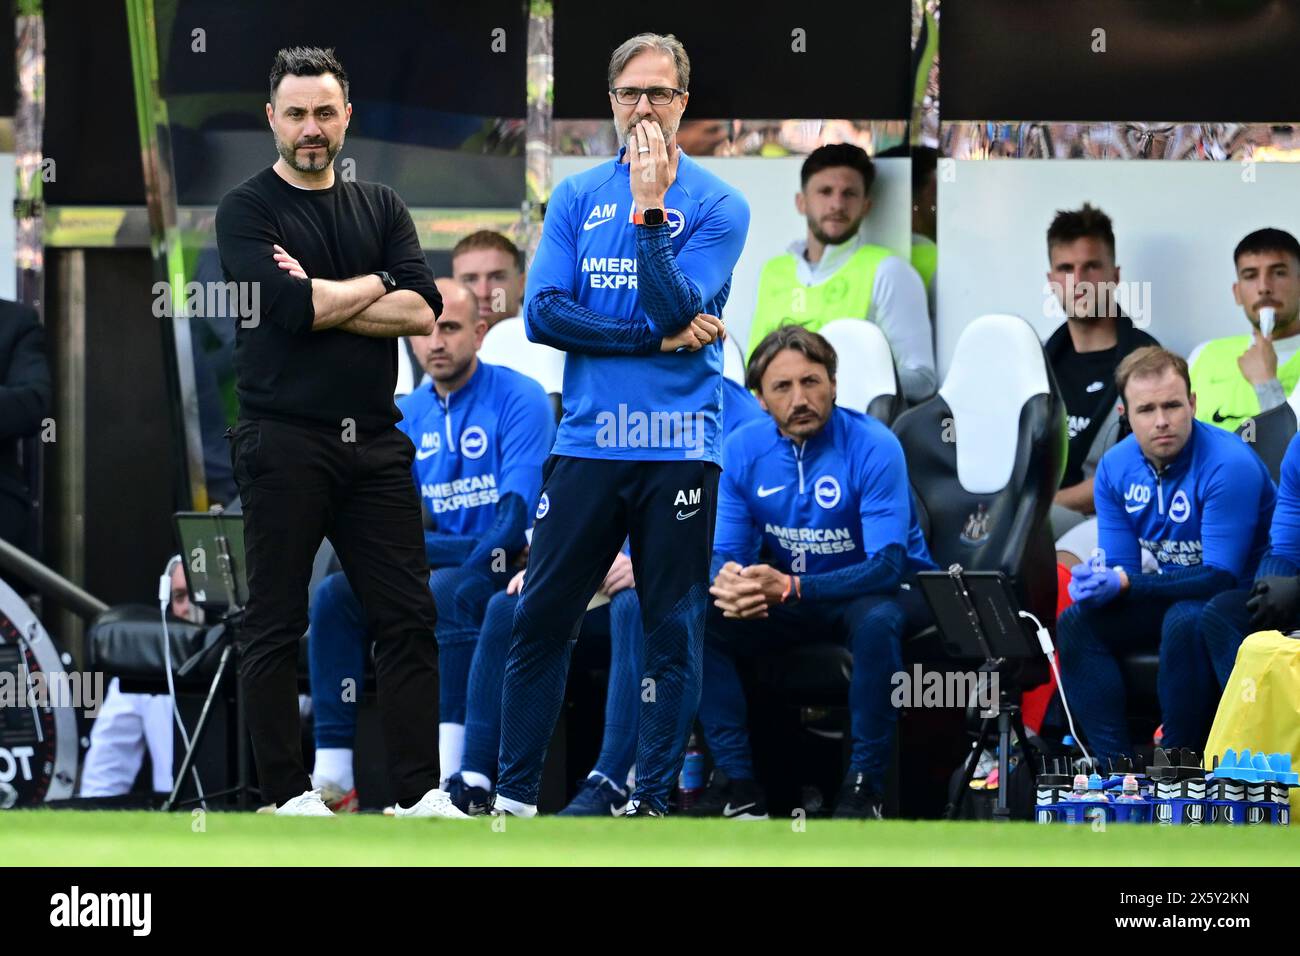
[(1269, 433), (126, 642), (985, 457)]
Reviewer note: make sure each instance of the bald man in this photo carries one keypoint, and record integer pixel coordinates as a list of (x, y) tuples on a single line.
[(481, 434)]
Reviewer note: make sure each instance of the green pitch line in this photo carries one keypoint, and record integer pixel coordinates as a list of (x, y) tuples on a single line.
[(106, 838)]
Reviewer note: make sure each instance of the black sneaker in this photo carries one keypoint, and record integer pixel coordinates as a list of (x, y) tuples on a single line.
[(857, 800), (635, 808), (731, 799), (471, 801), (596, 797)]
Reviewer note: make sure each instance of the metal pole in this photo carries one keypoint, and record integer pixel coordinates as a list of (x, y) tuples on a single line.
[(538, 148), (29, 125), (29, 251), (50, 583), (168, 251), (69, 455)]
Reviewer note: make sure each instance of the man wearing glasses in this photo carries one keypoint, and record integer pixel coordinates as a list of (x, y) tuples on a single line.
[(630, 278)]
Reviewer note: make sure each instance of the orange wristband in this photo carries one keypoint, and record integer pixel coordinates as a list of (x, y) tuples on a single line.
[(791, 582)]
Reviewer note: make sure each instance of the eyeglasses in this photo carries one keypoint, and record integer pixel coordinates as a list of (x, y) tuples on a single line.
[(658, 95)]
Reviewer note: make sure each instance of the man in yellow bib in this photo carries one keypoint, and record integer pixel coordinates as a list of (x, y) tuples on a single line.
[(834, 273), (1237, 377), (925, 227)]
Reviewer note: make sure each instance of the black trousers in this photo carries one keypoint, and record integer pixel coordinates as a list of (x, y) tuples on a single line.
[(588, 506), (300, 484)]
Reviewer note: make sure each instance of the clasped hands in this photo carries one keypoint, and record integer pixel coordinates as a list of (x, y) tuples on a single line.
[(703, 329), (746, 593)]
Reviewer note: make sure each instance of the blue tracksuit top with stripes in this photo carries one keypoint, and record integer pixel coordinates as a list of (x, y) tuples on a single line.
[(839, 499), (486, 440), (1284, 536), (1209, 507), (607, 291)]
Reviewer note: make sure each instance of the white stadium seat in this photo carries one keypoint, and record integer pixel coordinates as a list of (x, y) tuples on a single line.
[(866, 380), (733, 360), (997, 367), (507, 344)]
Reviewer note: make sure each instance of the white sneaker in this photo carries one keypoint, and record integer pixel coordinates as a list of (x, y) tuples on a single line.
[(505, 807), (435, 803), (307, 804)]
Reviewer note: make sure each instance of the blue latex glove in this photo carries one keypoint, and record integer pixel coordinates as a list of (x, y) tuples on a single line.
[(1097, 586), (1081, 576)]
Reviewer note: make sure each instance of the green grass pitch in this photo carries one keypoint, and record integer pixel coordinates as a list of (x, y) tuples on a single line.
[(108, 838)]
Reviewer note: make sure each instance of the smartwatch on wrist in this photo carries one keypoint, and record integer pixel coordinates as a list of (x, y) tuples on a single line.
[(390, 284), (649, 217)]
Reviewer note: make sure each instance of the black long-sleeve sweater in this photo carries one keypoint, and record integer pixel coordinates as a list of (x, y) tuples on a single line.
[(283, 369)]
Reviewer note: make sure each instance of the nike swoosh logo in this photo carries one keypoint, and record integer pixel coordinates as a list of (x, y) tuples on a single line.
[(421, 455), (592, 224), (764, 492), (683, 517), (1219, 419), (729, 811), (1130, 509), (615, 811)]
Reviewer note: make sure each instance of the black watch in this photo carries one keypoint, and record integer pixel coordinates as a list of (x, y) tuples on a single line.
[(652, 217), (390, 284)]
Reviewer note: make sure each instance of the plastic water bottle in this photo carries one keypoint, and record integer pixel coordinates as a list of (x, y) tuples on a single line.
[(1095, 792), (1130, 793), (690, 783), (1080, 791)]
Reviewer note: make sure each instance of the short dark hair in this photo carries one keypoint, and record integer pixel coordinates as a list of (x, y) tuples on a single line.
[(487, 239), (1086, 223), (925, 161), (813, 346), (307, 61), (1267, 240), (838, 154), (1148, 361)]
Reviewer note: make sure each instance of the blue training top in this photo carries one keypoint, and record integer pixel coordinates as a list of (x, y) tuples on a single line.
[(839, 499), (486, 440), (607, 292), (1210, 506), (739, 406), (1284, 536)]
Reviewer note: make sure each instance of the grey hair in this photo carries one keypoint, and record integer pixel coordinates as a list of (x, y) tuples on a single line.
[(665, 43)]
